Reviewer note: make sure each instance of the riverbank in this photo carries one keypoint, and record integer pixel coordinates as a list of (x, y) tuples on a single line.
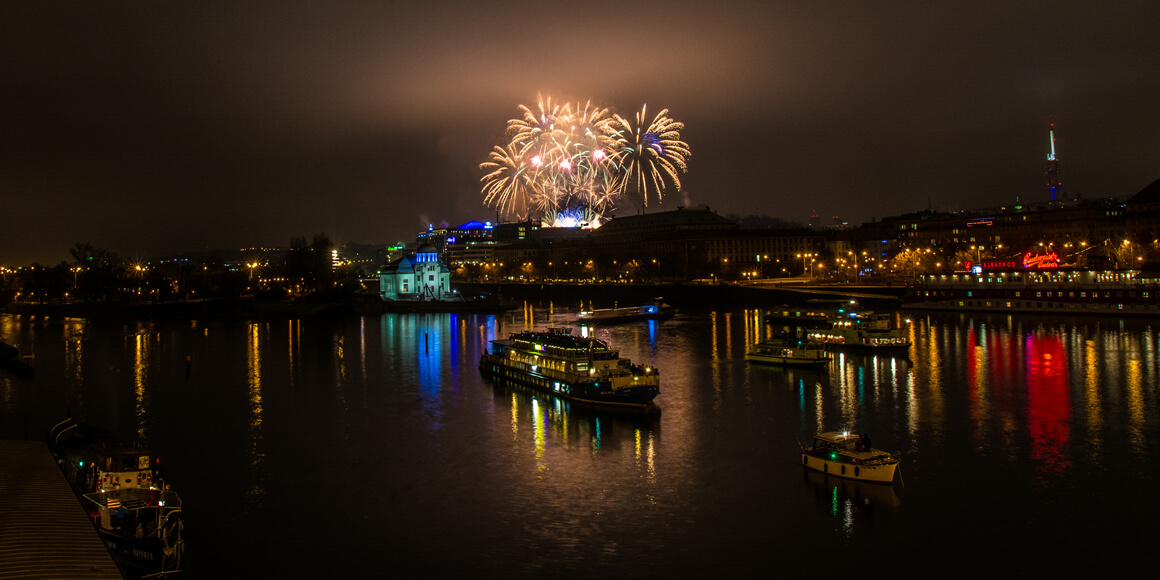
[(687, 296), (498, 298)]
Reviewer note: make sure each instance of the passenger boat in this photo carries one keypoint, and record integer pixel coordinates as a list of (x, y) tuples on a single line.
[(843, 454), (1009, 287), (862, 331), (654, 309), (584, 370), (121, 487), (788, 353)]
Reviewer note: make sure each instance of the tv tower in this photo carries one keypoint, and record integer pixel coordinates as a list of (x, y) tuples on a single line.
[(1053, 184)]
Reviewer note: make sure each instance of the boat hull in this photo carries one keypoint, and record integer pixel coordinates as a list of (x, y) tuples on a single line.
[(877, 473), (783, 361)]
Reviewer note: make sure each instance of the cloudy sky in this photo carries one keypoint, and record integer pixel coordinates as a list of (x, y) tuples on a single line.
[(155, 127)]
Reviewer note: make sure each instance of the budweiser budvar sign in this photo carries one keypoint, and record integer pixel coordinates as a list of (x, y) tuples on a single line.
[(1030, 261)]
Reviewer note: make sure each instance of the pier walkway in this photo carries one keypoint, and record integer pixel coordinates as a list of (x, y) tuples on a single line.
[(44, 531)]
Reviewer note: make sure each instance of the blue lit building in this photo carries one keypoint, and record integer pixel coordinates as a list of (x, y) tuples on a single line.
[(421, 276)]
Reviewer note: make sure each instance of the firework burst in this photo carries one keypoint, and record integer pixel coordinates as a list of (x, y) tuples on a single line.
[(572, 163), (651, 154), (508, 183)]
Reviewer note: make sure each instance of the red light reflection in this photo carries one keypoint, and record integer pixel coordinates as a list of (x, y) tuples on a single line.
[(1048, 404)]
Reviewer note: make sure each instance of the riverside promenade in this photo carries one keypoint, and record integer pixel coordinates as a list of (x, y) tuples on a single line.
[(44, 531)]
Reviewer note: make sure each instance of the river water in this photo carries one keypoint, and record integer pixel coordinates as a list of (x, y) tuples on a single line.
[(372, 446)]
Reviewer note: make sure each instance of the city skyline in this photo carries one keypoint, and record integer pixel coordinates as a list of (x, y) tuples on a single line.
[(167, 128)]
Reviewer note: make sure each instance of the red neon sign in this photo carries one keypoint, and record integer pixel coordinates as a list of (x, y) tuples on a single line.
[(1046, 261)]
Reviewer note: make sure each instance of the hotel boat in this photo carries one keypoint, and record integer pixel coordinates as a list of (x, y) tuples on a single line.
[(840, 453), (121, 487), (788, 353), (1011, 286), (584, 370), (862, 331), (654, 309)]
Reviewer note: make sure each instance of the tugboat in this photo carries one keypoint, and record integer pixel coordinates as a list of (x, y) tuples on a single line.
[(583, 370), (124, 492), (843, 454)]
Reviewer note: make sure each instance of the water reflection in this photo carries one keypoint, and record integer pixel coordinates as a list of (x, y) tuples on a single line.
[(143, 339), (1048, 403), (850, 502), (255, 340), (555, 421), (1038, 403)]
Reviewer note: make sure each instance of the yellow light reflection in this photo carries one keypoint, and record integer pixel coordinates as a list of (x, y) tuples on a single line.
[(1095, 419), (140, 373), (540, 435), (515, 417), (1135, 385), (254, 379)]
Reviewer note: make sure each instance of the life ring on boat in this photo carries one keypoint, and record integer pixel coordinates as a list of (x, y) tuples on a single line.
[(856, 470)]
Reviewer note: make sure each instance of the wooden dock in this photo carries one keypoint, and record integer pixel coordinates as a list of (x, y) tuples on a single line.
[(44, 531)]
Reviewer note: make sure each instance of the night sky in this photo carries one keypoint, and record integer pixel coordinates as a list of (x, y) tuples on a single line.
[(155, 127)]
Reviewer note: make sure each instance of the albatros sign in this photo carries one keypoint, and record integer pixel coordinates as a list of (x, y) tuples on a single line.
[(1030, 261)]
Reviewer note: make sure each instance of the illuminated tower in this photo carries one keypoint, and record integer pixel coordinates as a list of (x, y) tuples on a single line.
[(1053, 184)]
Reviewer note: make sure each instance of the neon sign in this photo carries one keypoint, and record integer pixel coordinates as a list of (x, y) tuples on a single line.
[(1046, 261), (1030, 261)]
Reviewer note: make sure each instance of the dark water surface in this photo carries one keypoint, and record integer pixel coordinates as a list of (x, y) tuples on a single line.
[(372, 446)]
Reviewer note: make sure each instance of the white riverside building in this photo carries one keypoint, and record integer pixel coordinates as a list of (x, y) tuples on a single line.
[(418, 277)]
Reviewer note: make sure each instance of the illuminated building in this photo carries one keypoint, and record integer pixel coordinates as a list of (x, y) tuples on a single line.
[(421, 276)]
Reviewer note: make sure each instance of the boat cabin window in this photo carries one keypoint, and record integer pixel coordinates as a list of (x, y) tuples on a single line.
[(126, 462)]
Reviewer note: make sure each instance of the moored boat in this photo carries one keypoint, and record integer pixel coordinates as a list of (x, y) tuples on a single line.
[(789, 353), (843, 454), (122, 489), (1011, 286), (654, 309), (862, 331), (814, 314), (580, 369)]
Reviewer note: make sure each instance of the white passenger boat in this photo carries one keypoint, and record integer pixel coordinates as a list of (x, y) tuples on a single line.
[(863, 331), (788, 353), (654, 309), (580, 369), (844, 454)]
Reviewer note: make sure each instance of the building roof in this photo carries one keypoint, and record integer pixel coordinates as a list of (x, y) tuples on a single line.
[(1148, 195), (406, 265), (679, 219)]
